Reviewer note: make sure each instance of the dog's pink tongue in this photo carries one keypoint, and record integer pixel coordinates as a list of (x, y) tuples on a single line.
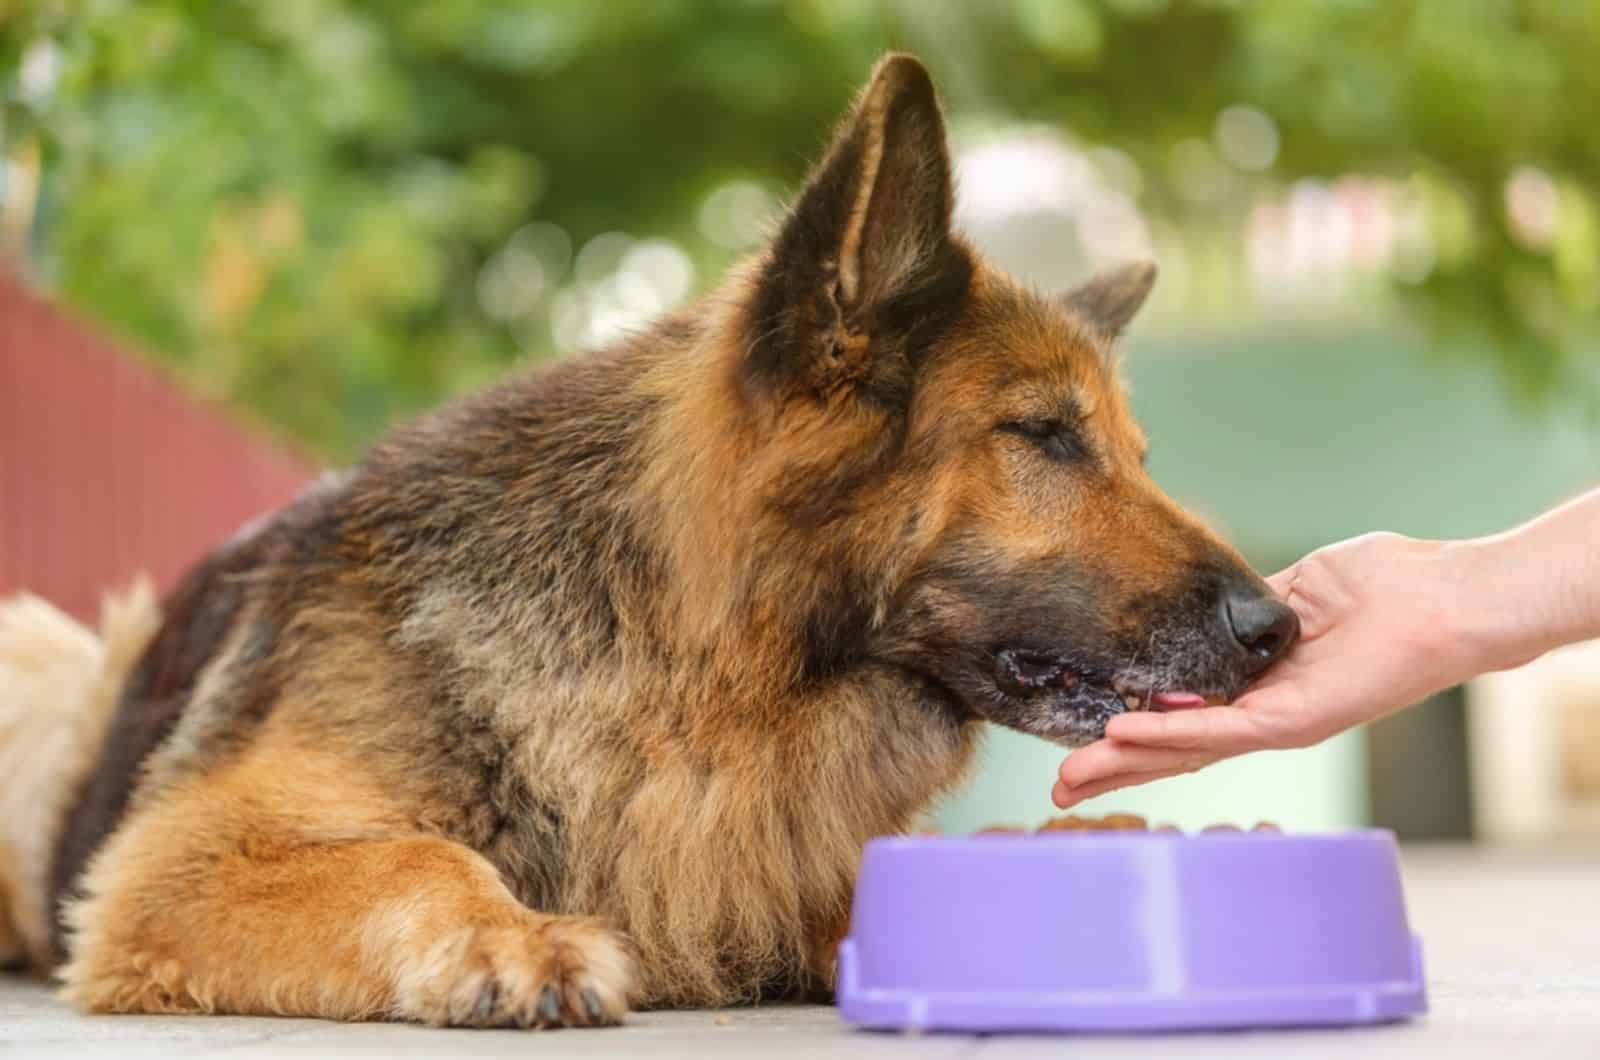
[(1177, 700)]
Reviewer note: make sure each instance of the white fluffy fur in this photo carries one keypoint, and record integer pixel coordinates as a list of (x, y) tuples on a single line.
[(59, 683)]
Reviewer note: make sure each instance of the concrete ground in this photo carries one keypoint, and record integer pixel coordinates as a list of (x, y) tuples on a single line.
[(1512, 945)]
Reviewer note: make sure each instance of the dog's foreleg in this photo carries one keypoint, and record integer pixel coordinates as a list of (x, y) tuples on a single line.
[(183, 913)]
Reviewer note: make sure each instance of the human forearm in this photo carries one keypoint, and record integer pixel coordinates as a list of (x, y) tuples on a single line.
[(1534, 588)]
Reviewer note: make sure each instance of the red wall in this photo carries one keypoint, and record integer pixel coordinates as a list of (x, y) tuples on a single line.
[(106, 469)]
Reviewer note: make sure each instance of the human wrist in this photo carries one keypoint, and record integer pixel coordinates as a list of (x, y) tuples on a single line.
[(1498, 616)]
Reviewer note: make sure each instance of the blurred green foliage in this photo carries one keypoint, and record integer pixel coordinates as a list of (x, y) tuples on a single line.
[(296, 201)]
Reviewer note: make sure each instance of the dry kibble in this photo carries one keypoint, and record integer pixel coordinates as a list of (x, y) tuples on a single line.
[(1115, 822), (1069, 823), (1119, 822)]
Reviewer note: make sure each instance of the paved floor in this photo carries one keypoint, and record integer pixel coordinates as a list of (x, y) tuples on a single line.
[(1512, 944)]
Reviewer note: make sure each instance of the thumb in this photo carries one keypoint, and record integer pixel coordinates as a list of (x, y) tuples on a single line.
[(1281, 581)]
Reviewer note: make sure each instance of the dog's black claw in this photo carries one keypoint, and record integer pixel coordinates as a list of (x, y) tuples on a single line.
[(549, 1005), (486, 1001), (591, 1004)]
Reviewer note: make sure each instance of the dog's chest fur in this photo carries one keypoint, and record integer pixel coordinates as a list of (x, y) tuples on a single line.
[(602, 774)]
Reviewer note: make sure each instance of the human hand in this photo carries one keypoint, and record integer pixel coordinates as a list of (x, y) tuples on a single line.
[(1381, 626)]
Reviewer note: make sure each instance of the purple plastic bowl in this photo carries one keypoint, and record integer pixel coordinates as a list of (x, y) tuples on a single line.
[(1126, 931)]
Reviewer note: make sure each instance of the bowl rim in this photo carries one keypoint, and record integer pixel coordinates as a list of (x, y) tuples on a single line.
[(1130, 836)]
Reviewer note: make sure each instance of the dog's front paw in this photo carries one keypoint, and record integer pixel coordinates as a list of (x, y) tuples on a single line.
[(542, 972)]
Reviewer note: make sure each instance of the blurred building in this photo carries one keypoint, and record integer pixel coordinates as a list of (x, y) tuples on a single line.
[(107, 470), (1535, 741)]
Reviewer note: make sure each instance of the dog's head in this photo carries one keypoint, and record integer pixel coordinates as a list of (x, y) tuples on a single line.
[(957, 453)]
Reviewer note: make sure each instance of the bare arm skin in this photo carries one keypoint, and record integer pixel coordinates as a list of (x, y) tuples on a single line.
[(1386, 620), (1543, 584)]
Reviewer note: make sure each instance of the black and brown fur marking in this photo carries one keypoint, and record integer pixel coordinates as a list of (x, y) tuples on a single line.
[(586, 691)]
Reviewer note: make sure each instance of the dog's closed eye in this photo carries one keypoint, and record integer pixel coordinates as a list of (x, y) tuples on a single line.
[(1056, 438)]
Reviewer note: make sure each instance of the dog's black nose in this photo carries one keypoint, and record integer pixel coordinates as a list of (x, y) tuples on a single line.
[(1261, 624)]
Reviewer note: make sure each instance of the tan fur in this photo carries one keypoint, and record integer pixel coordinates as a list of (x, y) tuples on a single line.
[(58, 685), (308, 890)]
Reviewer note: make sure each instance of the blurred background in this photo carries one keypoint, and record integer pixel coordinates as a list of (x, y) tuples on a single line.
[(238, 240)]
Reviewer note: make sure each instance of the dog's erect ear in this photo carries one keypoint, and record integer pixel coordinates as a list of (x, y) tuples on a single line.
[(1108, 301), (866, 249)]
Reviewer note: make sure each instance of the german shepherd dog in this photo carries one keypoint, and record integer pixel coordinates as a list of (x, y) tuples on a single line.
[(584, 692)]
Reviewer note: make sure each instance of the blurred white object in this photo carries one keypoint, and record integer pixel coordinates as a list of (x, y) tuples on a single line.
[(1534, 735)]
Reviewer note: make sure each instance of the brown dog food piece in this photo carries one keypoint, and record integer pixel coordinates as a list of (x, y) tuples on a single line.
[(1221, 828), (1113, 822), (1266, 826), (1069, 823)]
